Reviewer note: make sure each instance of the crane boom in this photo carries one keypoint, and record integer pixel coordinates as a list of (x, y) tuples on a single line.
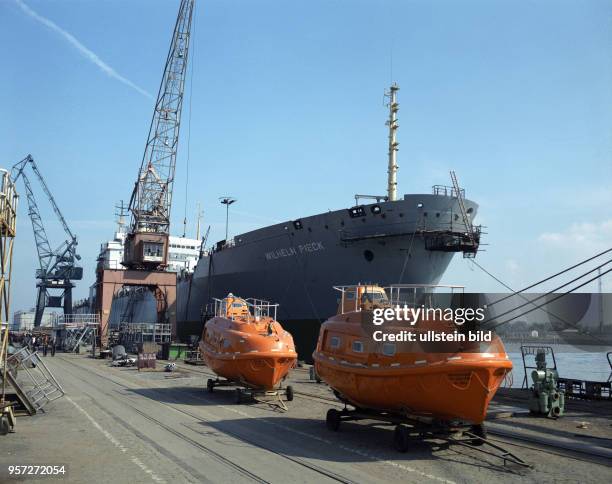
[(151, 201)]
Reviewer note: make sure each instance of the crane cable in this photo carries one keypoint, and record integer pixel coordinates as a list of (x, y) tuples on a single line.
[(193, 44), (555, 298), (543, 280), (550, 292), (572, 325)]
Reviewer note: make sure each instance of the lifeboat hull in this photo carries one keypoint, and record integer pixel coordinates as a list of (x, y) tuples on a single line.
[(258, 370), (450, 390)]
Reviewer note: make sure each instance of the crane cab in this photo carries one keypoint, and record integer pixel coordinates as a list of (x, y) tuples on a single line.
[(145, 250)]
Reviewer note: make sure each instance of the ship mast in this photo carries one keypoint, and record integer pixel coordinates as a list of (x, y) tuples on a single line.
[(393, 144)]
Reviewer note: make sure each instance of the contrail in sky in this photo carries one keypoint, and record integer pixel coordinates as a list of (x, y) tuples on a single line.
[(84, 51)]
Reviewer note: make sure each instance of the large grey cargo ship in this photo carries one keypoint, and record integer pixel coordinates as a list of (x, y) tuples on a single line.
[(296, 263)]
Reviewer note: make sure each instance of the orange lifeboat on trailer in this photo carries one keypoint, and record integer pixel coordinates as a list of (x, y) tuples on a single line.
[(443, 381), (244, 344)]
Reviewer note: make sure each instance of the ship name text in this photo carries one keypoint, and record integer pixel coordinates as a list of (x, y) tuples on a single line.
[(293, 251)]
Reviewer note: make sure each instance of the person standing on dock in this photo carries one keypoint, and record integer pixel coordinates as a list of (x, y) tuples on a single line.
[(53, 347)]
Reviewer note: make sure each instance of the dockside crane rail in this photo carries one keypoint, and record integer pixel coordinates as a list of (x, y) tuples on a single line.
[(57, 266), (150, 205)]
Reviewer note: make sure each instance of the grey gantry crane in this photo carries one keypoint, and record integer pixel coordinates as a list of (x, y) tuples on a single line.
[(57, 266), (146, 245)]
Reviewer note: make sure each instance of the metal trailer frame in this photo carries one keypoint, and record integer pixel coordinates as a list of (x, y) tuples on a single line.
[(245, 390), (410, 428), (43, 387)]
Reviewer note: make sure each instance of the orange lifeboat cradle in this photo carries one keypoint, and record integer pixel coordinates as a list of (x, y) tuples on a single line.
[(245, 344), (443, 386)]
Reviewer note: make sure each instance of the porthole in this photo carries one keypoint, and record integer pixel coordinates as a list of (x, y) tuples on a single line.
[(401, 215), (375, 209), (334, 342), (358, 346), (470, 210), (424, 214), (419, 205), (369, 255), (437, 214)]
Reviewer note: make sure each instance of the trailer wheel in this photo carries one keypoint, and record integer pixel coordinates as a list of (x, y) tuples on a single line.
[(289, 393), (238, 395), (480, 431), (401, 438), (332, 419), (4, 425), (210, 385)]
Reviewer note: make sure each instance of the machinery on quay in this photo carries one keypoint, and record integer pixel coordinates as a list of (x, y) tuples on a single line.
[(546, 398)]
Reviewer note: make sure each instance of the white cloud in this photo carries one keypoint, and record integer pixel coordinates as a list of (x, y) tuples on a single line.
[(84, 51), (584, 237)]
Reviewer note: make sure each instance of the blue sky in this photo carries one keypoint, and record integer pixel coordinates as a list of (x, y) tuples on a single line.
[(287, 115)]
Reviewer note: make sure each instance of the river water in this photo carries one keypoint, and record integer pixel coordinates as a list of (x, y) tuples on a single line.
[(572, 362)]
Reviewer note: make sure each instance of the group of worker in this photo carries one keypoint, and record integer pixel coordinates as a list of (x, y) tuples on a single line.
[(37, 343)]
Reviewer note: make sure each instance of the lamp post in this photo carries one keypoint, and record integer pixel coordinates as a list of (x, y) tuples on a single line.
[(227, 201)]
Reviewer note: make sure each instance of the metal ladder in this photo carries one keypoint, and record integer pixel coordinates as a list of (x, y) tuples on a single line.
[(466, 219), (40, 386)]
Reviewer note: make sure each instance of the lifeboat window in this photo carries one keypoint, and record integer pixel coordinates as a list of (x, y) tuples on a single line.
[(373, 297), (237, 305), (227, 343), (389, 349), (334, 342), (358, 346)]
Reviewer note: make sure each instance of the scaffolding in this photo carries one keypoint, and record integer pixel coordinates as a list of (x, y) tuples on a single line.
[(8, 224)]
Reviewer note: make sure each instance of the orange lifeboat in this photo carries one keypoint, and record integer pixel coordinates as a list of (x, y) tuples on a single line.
[(245, 344), (444, 381)]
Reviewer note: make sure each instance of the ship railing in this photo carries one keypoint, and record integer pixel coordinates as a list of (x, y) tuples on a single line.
[(410, 295), (130, 334), (427, 295), (447, 191), (76, 320), (258, 308), (428, 227)]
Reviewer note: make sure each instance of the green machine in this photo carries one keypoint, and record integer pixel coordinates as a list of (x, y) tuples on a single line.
[(546, 398)]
